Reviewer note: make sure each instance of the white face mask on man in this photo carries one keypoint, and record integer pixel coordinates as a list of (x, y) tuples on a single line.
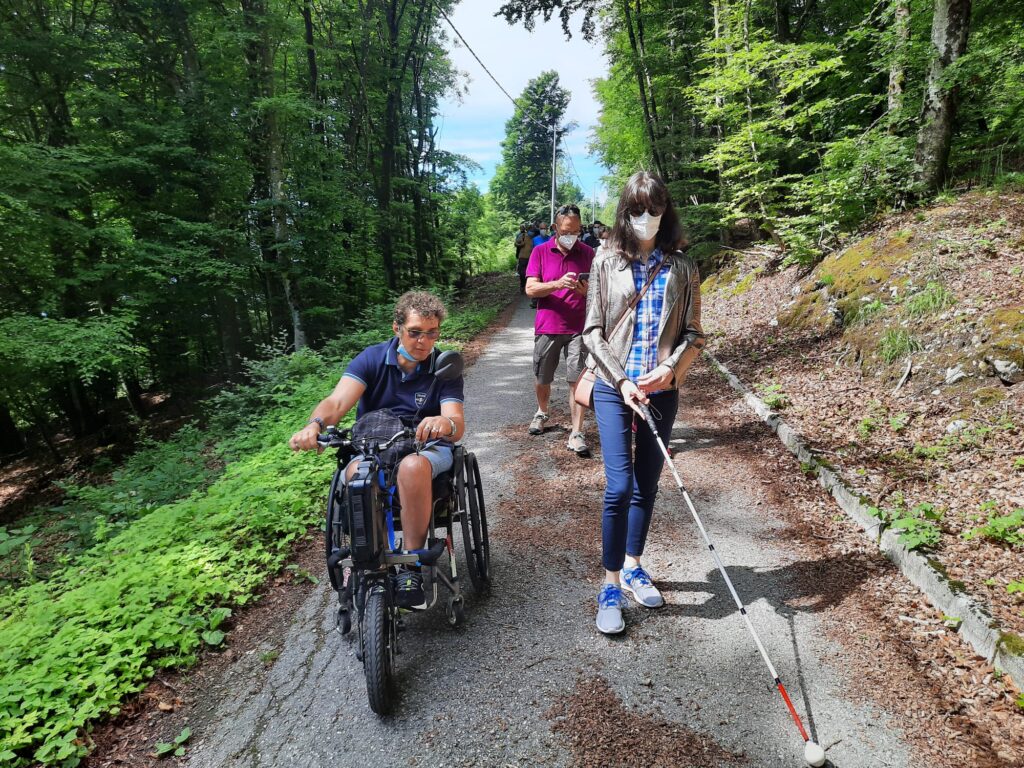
[(567, 241), (646, 225)]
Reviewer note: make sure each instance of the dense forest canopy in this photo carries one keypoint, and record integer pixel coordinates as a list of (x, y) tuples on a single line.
[(804, 117), (183, 181)]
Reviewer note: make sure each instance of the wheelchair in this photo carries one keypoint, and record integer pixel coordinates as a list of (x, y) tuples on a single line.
[(363, 517)]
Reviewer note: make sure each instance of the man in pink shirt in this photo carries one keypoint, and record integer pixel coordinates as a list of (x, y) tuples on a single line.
[(556, 277)]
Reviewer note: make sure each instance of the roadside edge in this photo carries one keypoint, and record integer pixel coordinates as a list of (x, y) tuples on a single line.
[(977, 625)]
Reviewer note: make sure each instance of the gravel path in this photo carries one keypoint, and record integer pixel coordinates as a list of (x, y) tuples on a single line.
[(527, 681)]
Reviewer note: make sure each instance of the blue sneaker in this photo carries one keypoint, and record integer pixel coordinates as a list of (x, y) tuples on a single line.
[(610, 602), (638, 581)]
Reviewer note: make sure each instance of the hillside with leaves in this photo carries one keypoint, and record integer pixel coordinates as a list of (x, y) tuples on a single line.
[(901, 359)]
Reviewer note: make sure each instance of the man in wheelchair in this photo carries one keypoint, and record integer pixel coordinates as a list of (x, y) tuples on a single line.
[(397, 375)]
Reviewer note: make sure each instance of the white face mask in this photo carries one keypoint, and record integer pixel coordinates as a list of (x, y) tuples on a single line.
[(567, 241), (645, 226)]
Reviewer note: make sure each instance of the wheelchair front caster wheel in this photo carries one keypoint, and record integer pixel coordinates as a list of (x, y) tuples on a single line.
[(455, 611), (344, 622)]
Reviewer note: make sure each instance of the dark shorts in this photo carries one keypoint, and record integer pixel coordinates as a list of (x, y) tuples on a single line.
[(440, 454), (547, 348)]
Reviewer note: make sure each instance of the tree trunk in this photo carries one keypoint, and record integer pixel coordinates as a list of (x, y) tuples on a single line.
[(950, 26), (314, 73), (268, 174), (717, 18), (897, 67), (11, 440), (641, 79), (782, 21)]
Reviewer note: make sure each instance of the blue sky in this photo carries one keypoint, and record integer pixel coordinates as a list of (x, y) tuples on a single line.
[(475, 124)]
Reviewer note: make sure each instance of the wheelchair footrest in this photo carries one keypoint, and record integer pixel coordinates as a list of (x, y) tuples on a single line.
[(428, 556)]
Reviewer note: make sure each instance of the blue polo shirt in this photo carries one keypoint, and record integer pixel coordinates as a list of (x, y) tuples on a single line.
[(387, 385)]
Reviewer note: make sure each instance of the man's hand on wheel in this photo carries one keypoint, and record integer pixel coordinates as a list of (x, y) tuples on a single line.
[(432, 428), (305, 439)]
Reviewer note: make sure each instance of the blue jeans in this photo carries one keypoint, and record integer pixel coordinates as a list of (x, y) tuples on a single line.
[(632, 481)]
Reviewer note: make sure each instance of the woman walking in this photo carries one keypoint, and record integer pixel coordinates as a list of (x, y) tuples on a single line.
[(643, 333)]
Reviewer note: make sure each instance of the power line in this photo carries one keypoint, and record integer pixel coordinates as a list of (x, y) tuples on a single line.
[(553, 127), (484, 66)]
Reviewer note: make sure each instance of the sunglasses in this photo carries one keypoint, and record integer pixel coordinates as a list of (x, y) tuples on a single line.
[(415, 334)]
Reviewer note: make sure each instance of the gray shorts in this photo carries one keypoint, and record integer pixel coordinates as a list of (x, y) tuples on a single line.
[(440, 454), (546, 350)]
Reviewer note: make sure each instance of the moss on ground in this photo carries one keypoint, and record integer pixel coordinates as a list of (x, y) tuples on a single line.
[(809, 312), (744, 285), (1005, 327), (1011, 643), (988, 396), (719, 280)]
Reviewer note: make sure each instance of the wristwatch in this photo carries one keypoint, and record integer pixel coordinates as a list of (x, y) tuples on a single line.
[(452, 422), (316, 420)]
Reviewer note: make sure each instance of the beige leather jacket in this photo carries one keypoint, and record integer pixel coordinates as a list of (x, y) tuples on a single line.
[(680, 336)]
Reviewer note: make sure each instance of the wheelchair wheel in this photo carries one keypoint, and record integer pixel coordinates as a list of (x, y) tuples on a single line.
[(455, 611), (474, 528), (378, 644)]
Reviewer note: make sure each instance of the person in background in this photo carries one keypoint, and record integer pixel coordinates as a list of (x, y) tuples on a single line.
[(524, 246), (645, 362), (590, 238), (538, 238), (556, 278)]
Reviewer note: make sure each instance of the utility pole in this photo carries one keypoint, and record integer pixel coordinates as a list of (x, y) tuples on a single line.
[(554, 155), (594, 207)]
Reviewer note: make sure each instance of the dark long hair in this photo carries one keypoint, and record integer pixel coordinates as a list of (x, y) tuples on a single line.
[(645, 192)]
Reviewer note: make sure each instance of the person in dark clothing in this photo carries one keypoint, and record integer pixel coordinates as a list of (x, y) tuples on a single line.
[(591, 237), (524, 247)]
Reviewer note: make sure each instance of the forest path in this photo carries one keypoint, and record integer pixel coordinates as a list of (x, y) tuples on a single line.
[(523, 682)]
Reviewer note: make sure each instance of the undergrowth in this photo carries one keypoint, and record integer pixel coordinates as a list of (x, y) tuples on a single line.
[(167, 551)]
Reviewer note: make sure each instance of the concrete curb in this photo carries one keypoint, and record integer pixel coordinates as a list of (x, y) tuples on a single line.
[(977, 625)]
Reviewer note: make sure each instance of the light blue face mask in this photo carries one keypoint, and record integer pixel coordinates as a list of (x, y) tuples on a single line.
[(405, 353)]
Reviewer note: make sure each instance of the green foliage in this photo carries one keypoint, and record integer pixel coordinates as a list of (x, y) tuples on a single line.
[(897, 343), (755, 111), (917, 528), (175, 189), (937, 451), (865, 427), (177, 747), (933, 298), (899, 422), (866, 311), (773, 396), (1007, 529)]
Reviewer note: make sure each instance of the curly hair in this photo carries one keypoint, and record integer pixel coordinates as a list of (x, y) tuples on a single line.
[(422, 303)]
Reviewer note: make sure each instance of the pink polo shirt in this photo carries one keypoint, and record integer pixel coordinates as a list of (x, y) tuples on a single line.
[(563, 311)]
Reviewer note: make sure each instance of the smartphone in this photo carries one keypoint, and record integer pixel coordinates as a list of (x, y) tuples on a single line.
[(583, 277)]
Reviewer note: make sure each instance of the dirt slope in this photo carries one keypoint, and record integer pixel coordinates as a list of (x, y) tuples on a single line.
[(934, 299)]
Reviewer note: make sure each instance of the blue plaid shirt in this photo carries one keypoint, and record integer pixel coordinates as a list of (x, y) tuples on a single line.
[(643, 357)]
